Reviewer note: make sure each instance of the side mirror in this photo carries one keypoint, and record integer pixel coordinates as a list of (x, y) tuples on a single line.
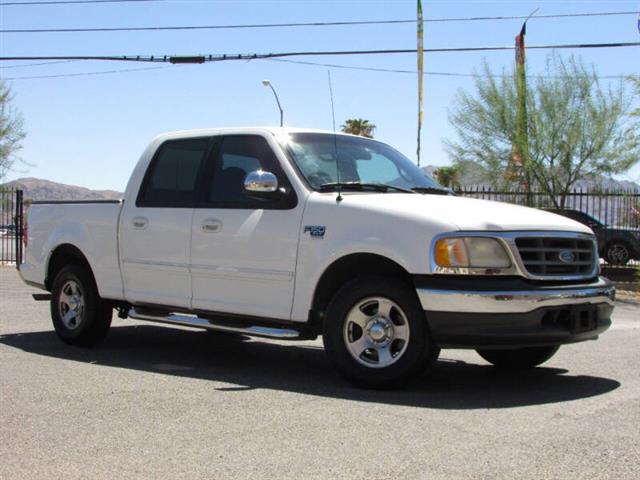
[(260, 182)]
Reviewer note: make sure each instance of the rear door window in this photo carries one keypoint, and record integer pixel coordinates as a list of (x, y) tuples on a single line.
[(172, 178)]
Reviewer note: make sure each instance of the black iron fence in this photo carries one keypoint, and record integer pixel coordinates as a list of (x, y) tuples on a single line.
[(11, 225), (613, 215)]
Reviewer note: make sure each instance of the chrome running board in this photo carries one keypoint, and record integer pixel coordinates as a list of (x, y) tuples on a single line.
[(197, 322)]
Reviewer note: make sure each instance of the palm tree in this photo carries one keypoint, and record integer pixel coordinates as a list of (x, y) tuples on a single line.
[(448, 177), (358, 126)]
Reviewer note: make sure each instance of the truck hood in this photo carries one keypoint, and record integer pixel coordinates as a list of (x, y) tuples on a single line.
[(462, 213)]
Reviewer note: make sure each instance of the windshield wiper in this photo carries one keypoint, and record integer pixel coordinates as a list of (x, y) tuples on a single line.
[(377, 187), (438, 190)]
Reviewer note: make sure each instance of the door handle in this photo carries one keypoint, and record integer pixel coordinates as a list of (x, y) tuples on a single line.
[(140, 223), (211, 225)]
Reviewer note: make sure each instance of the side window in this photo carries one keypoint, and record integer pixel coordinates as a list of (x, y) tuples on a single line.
[(172, 177), (238, 155)]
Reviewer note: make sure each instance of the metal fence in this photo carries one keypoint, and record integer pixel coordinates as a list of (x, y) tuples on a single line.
[(11, 225), (614, 216)]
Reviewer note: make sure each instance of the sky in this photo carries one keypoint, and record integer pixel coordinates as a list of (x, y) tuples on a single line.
[(90, 130)]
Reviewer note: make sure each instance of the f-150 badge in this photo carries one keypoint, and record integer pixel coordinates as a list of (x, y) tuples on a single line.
[(316, 231)]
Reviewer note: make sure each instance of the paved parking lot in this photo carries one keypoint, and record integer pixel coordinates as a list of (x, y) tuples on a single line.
[(162, 402)]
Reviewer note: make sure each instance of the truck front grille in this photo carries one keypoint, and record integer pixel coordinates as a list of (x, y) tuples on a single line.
[(557, 256)]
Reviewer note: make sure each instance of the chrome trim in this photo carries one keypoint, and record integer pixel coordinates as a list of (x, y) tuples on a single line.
[(508, 240), (517, 301), (196, 322), (260, 181)]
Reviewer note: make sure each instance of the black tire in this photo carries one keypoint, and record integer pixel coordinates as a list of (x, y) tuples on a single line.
[(411, 357), (617, 252), (91, 322), (520, 358)]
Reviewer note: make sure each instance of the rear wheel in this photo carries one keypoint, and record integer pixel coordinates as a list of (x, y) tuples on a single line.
[(520, 358), (617, 253), (79, 315), (376, 333)]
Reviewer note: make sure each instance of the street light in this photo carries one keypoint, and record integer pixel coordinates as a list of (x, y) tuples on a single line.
[(267, 83)]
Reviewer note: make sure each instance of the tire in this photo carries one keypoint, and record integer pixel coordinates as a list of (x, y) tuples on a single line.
[(74, 290), (372, 350), (617, 253), (519, 359)]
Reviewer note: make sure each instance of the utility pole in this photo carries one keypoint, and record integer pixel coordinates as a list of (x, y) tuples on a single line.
[(420, 76)]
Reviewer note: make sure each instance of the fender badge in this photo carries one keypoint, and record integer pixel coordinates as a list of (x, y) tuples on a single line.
[(316, 231)]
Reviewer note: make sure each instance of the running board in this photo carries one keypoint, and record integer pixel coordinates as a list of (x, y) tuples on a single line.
[(197, 322)]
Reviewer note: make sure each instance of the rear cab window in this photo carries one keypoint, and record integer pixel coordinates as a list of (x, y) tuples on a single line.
[(172, 177)]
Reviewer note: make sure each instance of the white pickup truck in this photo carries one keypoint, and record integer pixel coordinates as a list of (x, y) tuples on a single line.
[(291, 234)]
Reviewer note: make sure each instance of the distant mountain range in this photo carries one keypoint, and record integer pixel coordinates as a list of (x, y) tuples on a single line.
[(38, 189)]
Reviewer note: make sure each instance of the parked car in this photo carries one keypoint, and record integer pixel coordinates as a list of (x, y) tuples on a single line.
[(617, 245), (291, 234)]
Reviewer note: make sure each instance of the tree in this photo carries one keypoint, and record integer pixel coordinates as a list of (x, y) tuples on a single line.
[(11, 130), (576, 129), (358, 126), (448, 176), (635, 81)]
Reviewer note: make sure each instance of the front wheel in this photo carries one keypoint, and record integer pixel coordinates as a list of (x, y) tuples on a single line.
[(520, 358), (80, 316), (375, 332)]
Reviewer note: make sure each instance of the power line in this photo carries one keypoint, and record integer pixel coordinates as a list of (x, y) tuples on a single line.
[(437, 74), (300, 24), (256, 56), (70, 2), (84, 74), (36, 64)]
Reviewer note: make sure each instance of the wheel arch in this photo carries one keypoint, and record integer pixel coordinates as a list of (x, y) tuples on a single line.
[(350, 267), (61, 256)]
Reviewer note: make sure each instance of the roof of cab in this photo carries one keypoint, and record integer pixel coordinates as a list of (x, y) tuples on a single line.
[(203, 132)]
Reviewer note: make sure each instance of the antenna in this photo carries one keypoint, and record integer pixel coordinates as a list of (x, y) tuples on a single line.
[(335, 139)]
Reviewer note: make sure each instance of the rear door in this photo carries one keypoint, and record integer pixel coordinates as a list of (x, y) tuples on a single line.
[(244, 248), (155, 241)]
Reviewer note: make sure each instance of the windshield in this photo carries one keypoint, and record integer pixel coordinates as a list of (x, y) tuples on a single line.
[(360, 160)]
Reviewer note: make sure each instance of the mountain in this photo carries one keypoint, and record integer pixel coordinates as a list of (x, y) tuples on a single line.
[(39, 189)]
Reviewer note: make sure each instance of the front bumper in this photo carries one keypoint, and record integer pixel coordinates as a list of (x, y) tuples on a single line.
[(512, 313)]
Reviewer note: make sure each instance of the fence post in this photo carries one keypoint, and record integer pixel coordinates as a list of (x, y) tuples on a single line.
[(19, 226)]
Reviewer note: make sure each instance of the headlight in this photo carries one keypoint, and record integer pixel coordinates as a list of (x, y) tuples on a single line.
[(470, 252)]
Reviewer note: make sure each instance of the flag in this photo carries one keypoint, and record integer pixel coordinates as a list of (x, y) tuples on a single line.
[(420, 76), (520, 45)]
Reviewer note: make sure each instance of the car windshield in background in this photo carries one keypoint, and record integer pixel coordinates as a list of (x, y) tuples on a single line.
[(362, 163)]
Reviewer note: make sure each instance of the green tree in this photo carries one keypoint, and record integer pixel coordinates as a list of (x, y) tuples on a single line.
[(448, 176), (358, 126), (11, 130), (635, 82), (576, 129)]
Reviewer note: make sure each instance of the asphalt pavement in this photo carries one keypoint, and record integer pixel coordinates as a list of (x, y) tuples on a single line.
[(162, 402)]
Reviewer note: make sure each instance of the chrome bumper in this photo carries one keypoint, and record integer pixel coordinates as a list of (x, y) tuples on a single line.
[(516, 301)]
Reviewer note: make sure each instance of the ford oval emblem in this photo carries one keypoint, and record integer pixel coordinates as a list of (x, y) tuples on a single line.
[(566, 256)]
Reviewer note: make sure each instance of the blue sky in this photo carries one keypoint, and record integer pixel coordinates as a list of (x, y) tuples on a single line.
[(90, 130)]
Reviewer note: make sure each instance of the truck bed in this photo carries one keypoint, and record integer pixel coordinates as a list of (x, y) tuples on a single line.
[(89, 225)]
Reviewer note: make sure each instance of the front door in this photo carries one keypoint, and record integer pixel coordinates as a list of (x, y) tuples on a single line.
[(155, 232), (244, 249)]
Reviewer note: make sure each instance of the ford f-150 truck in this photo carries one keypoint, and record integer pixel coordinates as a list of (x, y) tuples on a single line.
[(291, 234)]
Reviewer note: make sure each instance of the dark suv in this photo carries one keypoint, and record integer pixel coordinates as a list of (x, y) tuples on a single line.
[(617, 245)]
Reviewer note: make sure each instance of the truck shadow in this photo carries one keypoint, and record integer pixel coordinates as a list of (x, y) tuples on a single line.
[(304, 368)]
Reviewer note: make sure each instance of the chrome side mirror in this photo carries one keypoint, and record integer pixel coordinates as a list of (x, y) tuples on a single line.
[(259, 181)]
